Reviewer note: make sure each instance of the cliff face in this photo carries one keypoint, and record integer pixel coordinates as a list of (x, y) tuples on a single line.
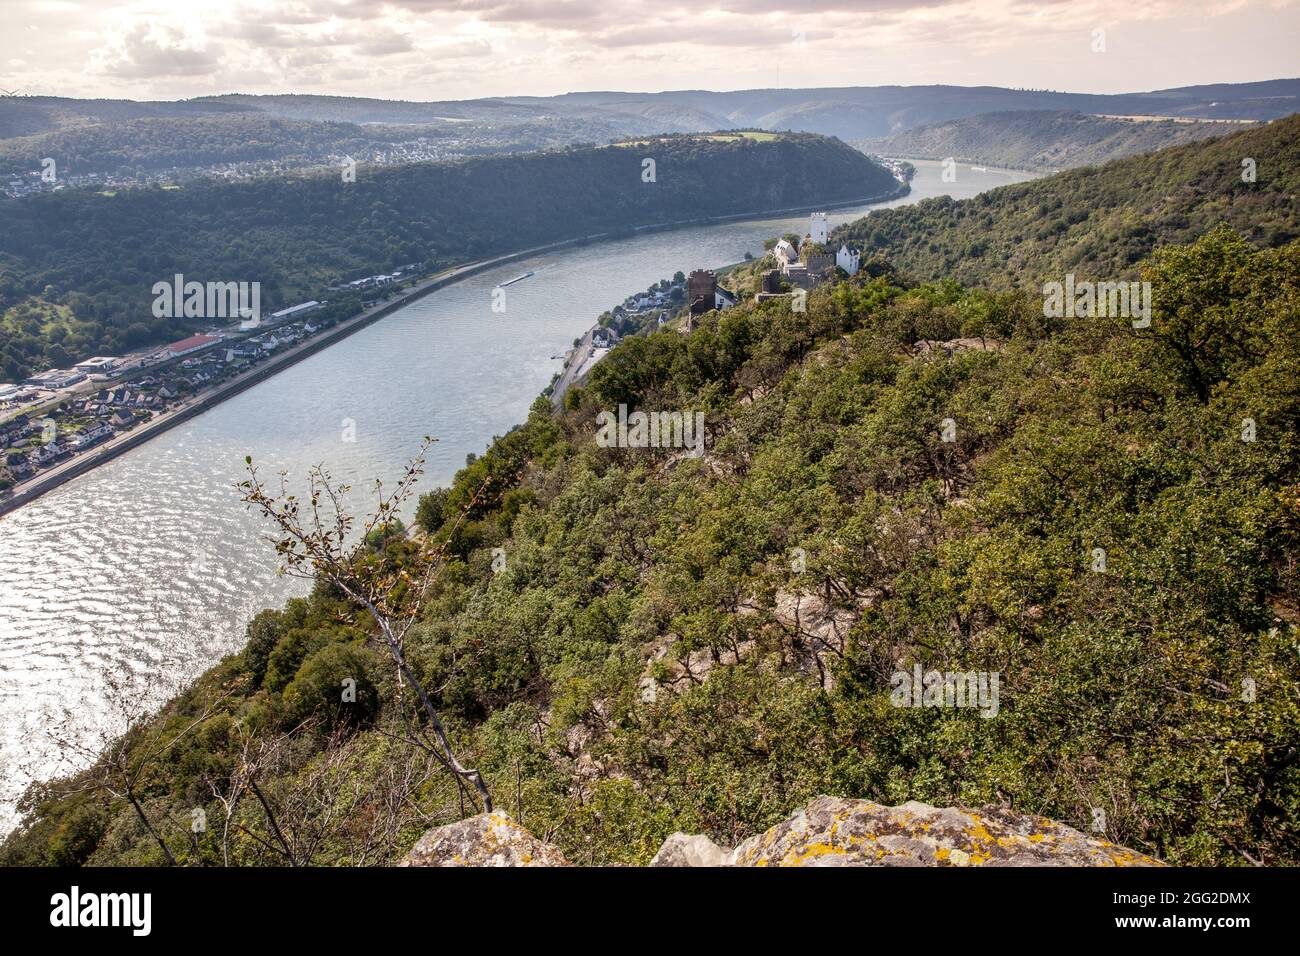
[(830, 831)]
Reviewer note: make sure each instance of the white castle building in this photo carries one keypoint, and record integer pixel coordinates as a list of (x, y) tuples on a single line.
[(817, 228), (848, 260), (785, 254)]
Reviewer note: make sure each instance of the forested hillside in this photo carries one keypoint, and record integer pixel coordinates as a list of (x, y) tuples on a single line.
[(1099, 222), (1042, 140), (874, 111), (189, 146), (77, 267), (31, 115), (627, 642), (148, 145)]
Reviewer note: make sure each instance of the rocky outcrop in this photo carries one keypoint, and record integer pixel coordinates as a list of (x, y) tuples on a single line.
[(953, 346), (813, 631), (830, 831), (489, 839), (691, 849)]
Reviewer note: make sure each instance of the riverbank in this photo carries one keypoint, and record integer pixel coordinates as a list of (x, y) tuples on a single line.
[(986, 165), (50, 479)]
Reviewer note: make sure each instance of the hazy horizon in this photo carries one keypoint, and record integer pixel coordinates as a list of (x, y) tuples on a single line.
[(430, 50), (629, 91)]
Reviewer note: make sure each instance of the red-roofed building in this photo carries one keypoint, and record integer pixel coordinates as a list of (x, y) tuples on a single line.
[(192, 344)]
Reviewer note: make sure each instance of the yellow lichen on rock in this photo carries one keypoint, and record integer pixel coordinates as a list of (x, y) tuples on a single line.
[(830, 831), (833, 831)]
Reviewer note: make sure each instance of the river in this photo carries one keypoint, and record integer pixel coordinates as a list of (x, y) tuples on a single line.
[(145, 571)]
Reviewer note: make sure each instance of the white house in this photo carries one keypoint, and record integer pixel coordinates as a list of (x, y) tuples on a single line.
[(86, 437), (848, 260), (49, 452), (784, 253), (817, 228)]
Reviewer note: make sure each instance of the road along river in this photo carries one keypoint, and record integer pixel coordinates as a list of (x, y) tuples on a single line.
[(148, 568)]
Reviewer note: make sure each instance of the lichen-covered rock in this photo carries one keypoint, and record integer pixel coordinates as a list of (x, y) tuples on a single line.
[(684, 849), (489, 839), (832, 831)]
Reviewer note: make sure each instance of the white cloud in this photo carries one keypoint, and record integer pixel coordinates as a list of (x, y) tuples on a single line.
[(398, 48), (151, 49)]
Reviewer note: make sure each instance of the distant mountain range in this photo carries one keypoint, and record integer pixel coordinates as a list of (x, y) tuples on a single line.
[(851, 113), (1046, 140), (874, 111)]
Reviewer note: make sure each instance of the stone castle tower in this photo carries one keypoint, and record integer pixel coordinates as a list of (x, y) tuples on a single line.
[(817, 228)]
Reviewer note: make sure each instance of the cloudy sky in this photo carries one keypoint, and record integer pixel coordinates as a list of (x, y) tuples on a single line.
[(442, 49)]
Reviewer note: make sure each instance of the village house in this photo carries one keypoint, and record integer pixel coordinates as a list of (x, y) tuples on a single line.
[(785, 254), (848, 259), (15, 431), (48, 453), (18, 465), (91, 435)]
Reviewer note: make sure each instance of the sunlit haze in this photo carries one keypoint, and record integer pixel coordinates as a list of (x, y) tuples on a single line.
[(435, 49)]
